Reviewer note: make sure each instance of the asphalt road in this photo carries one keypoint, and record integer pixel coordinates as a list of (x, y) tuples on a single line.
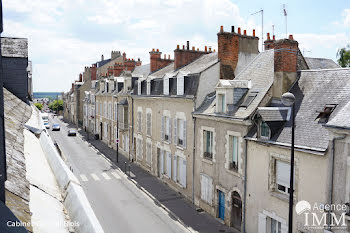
[(118, 204)]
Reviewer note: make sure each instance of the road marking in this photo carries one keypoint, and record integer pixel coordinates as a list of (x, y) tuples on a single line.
[(116, 175), (106, 176), (95, 176), (83, 178)]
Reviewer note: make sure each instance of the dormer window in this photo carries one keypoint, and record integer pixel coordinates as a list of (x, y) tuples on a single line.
[(265, 131), (221, 107)]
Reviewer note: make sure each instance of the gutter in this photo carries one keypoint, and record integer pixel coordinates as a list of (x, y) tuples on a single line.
[(245, 184), (331, 177)]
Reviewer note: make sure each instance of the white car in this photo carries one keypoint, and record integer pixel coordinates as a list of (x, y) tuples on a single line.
[(46, 124)]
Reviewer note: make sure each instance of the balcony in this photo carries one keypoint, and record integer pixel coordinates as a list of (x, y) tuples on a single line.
[(208, 155)]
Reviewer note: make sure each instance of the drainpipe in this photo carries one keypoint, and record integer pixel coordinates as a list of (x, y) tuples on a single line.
[(132, 128), (245, 183), (332, 175)]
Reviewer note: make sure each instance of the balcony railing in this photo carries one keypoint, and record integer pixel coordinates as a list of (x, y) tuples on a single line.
[(208, 155)]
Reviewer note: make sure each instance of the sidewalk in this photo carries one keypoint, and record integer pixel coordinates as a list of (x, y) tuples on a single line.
[(175, 202)]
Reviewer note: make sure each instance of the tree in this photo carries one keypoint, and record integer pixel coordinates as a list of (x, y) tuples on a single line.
[(343, 56), (39, 106), (56, 105)]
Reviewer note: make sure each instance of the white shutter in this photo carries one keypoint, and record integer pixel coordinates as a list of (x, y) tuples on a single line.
[(168, 160), (139, 87), (162, 129), (203, 193), (161, 161), (180, 85), (175, 168), (148, 87), (262, 223), (210, 190), (175, 131), (166, 86), (185, 133), (169, 129), (282, 173), (182, 164)]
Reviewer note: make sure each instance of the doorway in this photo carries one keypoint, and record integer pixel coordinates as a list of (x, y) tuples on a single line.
[(236, 211), (221, 205)]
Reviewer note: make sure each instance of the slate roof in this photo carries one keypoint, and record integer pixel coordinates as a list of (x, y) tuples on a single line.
[(320, 63), (102, 63), (315, 89), (141, 71), (14, 47), (17, 114), (274, 113), (342, 119), (261, 74)]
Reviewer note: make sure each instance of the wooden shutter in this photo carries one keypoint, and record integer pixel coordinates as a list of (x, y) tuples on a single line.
[(210, 190), (175, 131), (183, 173), (162, 129), (203, 191), (168, 160), (166, 86), (185, 134), (169, 120), (180, 85), (175, 168)]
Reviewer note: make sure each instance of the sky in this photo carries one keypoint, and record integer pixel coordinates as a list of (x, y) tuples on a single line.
[(65, 36)]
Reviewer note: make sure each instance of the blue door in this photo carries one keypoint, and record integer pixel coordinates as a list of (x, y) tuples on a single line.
[(221, 205)]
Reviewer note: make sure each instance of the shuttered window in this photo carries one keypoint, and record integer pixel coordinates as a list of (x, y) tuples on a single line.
[(206, 188), (233, 153), (282, 176), (149, 124), (166, 86), (139, 121), (180, 85), (148, 153), (208, 144), (115, 111), (161, 163), (166, 128), (168, 164), (139, 149), (139, 87), (182, 170), (175, 167)]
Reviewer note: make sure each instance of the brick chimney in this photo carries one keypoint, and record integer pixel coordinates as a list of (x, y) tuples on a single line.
[(285, 65), (269, 43), (185, 56), (124, 56), (115, 54), (157, 62), (230, 44), (93, 69)]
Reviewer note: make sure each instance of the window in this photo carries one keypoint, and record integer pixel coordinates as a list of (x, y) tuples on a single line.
[(166, 129), (221, 103), (105, 110), (126, 143), (264, 130), (208, 144), (181, 171), (149, 124), (139, 87), (273, 226), (180, 85), (148, 87), (148, 153), (139, 121), (180, 131), (166, 86), (168, 164), (206, 188), (233, 153), (249, 100), (139, 149), (115, 111), (282, 176)]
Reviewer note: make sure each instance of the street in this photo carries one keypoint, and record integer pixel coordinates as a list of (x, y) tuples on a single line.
[(118, 204)]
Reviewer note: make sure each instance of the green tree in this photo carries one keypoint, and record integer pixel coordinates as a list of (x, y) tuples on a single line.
[(39, 106), (56, 105), (343, 56)]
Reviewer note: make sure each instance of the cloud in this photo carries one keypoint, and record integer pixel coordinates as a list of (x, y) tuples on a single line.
[(346, 16)]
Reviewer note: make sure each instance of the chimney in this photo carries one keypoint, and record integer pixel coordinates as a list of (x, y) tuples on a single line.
[(157, 62), (72, 86), (102, 58), (124, 56), (285, 65), (80, 77), (93, 72), (268, 43), (230, 45), (184, 57)]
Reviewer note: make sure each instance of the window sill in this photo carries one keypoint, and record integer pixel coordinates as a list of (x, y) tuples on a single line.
[(180, 185), (207, 161), (281, 196), (180, 147), (149, 136), (235, 173), (166, 142)]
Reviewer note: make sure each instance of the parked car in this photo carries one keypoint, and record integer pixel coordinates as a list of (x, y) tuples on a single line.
[(72, 132), (56, 127), (46, 124)]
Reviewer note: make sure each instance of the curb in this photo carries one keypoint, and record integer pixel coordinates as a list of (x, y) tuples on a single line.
[(157, 202)]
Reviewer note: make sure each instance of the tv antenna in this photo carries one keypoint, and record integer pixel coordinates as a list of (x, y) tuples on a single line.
[(306, 51), (285, 17), (262, 27)]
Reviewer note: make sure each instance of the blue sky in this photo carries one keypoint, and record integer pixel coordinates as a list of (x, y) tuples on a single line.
[(64, 36)]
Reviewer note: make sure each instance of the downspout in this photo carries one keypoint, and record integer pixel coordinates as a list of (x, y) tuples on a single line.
[(245, 184), (194, 147), (332, 175), (132, 128)]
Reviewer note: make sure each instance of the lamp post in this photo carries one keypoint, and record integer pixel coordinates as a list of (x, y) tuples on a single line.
[(288, 99)]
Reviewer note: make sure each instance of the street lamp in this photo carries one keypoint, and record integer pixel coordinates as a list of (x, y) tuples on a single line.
[(288, 99)]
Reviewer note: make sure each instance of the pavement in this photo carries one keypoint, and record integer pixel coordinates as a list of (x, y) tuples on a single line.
[(118, 203), (173, 202)]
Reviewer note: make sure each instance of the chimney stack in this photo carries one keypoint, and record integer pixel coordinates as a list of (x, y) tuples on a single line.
[(232, 29), (268, 43), (157, 62), (80, 77), (188, 45), (184, 57), (230, 44), (102, 58)]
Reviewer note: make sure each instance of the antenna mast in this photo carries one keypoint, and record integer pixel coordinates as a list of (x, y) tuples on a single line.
[(285, 16), (262, 27)]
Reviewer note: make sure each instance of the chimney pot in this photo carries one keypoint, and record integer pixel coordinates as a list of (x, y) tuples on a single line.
[(214, 50), (232, 28), (164, 56), (169, 56), (153, 50), (188, 45), (157, 50), (178, 47), (209, 49), (205, 49), (245, 32), (291, 37), (197, 49), (183, 47), (254, 32), (221, 28), (193, 48), (239, 30), (268, 36), (273, 37)]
